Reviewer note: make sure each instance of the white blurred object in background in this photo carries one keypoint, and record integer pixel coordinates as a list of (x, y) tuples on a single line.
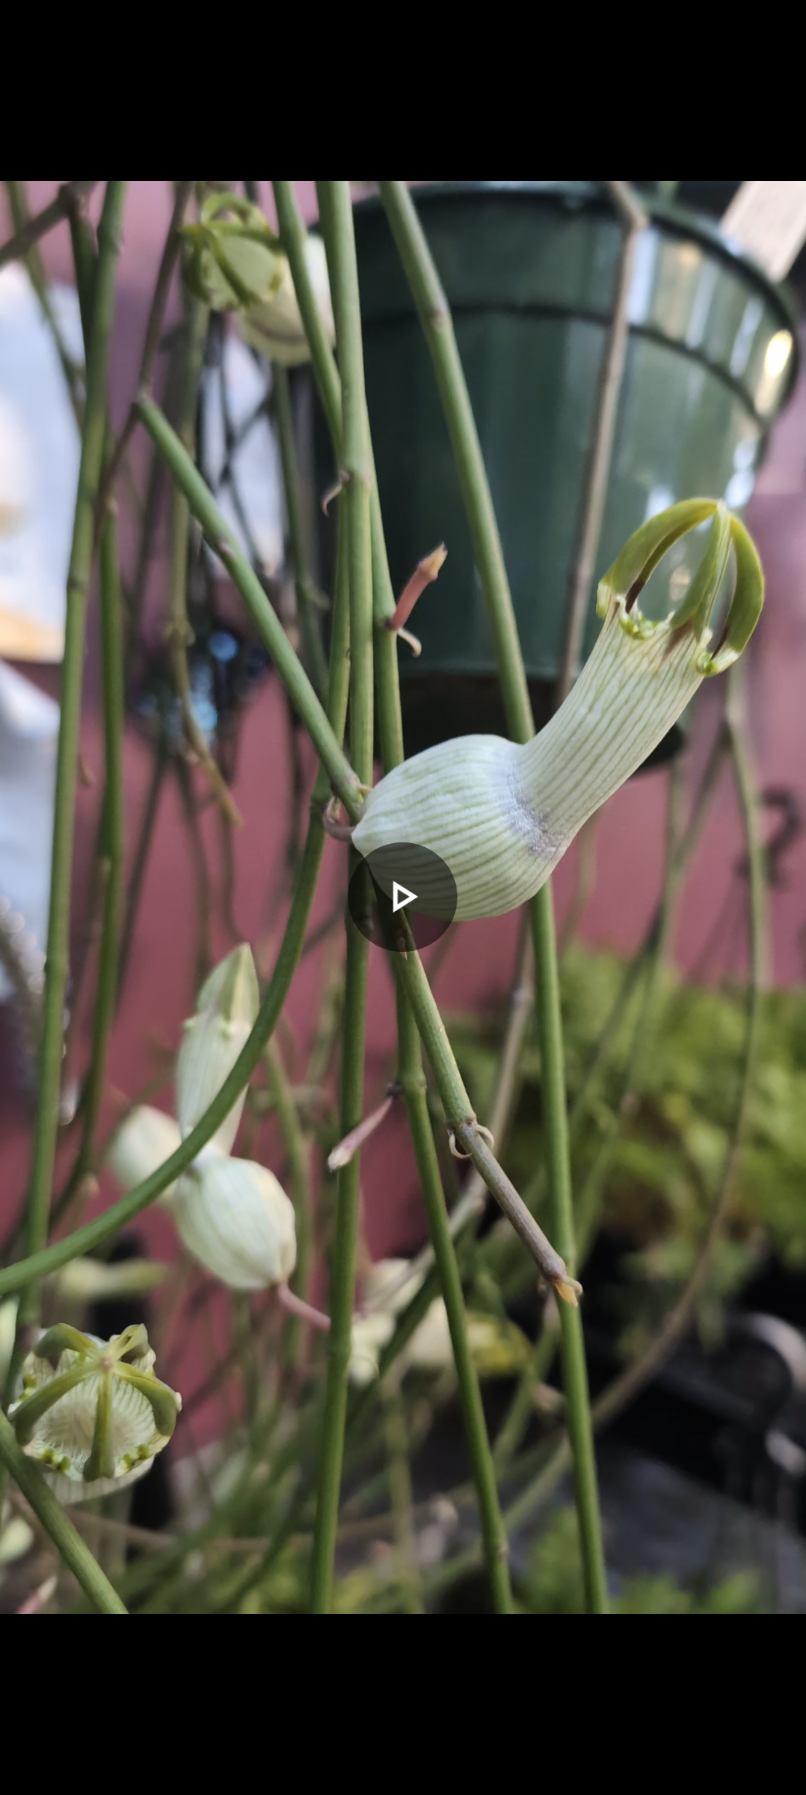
[(39, 452), (39, 456)]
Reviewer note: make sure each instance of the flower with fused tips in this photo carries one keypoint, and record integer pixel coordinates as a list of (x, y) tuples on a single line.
[(91, 1411), (232, 256), (234, 262), (502, 814), (232, 1214)]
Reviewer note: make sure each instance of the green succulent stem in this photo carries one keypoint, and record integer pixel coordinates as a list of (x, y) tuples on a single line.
[(292, 673), (410, 1072), (437, 325), (356, 502), (78, 583), (303, 585), (48, 1510)]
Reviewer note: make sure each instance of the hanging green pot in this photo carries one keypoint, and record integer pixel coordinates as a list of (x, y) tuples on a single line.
[(529, 269)]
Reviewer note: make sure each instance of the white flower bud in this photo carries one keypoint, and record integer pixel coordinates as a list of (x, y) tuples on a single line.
[(235, 1218), (91, 1412), (143, 1143), (274, 326), (500, 814), (226, 1008)]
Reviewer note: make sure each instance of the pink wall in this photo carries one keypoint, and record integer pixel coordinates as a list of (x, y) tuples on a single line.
[(478, 967)]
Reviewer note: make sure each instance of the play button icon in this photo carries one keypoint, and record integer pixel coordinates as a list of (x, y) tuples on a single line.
[(402, 893), (401, 897)]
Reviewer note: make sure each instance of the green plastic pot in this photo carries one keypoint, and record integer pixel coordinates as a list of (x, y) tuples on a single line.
[(529, 269)]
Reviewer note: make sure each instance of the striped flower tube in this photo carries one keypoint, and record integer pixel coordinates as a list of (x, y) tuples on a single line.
[(501, 815)]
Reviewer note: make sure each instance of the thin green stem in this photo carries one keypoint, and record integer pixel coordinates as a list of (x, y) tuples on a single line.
[(607, 402), (293, 236), (151, 341), (178, 628), (303, 585), (410, 1075), (69, 1544), (27, 234), (427, 1014), (70, 194), (438, 330), (355, 459), (113, 845), (437, 325), (588, 1197), (265, 619), (400, 1493), (140, 855), (575, 1376), (92, 448), (328, 384), (342, 1280), (411, 1079), (298, 1161), (84, 1240), (201, 873), (429, 1023)]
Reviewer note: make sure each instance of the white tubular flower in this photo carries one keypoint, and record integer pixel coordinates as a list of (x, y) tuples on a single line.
[(501, 815), (91, 1412), (226, 1008), (142, 1144), (235, 1218)]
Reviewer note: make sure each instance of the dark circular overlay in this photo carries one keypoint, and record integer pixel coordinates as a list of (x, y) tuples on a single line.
[(402, 893)]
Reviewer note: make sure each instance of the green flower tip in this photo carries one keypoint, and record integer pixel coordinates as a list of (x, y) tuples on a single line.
[(624, 582), (226, 1008), (232, 988), (91, 1411), (233, 259)]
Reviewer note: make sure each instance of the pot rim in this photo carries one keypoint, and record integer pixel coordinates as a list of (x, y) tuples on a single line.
[(680, 221)]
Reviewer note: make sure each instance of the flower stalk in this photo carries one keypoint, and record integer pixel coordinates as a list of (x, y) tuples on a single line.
[(78, 582), (435, 319)]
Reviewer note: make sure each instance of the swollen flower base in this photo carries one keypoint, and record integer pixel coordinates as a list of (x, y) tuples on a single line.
[(502, 814), (91, 1411)]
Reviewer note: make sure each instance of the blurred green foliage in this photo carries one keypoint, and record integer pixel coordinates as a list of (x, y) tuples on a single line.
[(667, 1159), (553, 1584)]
